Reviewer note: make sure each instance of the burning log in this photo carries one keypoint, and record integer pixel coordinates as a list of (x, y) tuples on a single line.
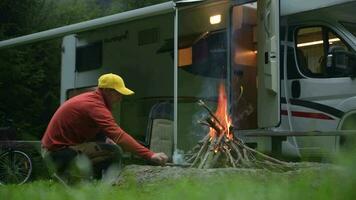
[(220, 148)]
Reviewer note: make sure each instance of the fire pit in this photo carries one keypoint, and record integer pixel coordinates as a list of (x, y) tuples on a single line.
[(220, 148)]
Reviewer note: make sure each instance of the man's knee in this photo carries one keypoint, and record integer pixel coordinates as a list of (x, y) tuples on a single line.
[(59, 160)]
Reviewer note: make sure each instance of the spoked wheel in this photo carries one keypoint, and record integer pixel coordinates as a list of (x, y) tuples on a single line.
[(15, 167)]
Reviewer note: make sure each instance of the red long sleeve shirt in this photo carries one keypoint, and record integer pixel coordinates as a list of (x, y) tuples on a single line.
[(80, 118)]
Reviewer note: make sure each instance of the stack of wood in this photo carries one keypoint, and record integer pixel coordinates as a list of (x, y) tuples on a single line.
[(223, 149)]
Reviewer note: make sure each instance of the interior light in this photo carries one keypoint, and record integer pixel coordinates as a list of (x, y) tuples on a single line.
[(317, 42), (215, 19), (334, 40)]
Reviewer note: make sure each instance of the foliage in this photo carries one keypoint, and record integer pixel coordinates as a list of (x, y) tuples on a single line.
[(30, 74), (332, 182), (304, 185)]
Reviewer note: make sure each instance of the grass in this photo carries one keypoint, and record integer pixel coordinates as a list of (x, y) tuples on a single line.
[(306, 184)]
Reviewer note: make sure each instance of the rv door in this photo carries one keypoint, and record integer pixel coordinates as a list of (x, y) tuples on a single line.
[(268, 82)]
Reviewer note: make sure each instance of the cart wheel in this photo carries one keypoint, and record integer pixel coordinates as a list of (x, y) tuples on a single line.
[(15, 167)]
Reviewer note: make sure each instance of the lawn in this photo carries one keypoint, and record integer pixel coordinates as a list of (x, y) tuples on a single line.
[(336, 183), (309, 184)]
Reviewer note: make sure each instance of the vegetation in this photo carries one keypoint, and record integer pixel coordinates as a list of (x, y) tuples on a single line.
[(335, 182), (30, 74), (305, 185)]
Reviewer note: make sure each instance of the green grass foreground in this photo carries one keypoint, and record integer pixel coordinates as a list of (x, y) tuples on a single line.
[(317, 184), (309, 184)]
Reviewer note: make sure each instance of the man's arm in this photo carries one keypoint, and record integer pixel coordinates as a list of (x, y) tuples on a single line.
[(106, 122)]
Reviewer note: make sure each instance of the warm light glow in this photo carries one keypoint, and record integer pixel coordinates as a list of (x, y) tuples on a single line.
[(185, 57), (245, 57), (317, 42), (222, 114), (215, 19)]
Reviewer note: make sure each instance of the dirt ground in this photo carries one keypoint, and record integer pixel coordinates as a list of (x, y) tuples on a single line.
[(145, 174)]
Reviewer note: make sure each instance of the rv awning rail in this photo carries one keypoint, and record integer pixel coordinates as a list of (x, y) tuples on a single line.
[(287, 7), (90, 25)]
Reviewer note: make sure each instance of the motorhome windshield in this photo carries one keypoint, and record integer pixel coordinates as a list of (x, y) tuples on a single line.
[(350, 27)]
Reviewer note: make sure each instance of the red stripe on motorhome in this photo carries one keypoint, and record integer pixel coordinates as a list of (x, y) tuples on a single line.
[(307, 115)]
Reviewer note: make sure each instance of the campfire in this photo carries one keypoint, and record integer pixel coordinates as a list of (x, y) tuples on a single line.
[(220, 148)]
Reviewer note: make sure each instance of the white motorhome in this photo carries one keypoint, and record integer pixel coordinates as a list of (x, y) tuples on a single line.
[(288, 67), (318, 85)]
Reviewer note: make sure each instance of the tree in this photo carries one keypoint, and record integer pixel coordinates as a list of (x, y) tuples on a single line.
[(124, 5), (30, 74)]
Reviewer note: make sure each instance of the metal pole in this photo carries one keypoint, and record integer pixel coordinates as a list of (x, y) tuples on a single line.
[(175, 126), (228, 59)]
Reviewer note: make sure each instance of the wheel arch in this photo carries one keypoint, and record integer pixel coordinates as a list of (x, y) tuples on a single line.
[(346, 121)]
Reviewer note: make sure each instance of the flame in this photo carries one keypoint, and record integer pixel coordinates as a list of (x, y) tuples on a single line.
[(222, 115)]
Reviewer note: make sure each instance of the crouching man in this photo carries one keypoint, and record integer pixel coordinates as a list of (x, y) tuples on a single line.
[(80, 119)]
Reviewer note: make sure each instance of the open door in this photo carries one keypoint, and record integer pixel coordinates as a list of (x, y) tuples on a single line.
[(268, 98)]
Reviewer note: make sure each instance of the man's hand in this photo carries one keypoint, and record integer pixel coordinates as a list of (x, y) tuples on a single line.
[(159, 158), (109, 141)]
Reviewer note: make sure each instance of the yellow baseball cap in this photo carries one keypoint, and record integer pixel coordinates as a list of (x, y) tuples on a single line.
[(115, 82)]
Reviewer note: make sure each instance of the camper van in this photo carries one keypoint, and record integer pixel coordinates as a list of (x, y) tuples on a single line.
[(318, 70), (286, 68)]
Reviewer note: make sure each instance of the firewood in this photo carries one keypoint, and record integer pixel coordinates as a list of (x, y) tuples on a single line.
[(204, 123), (205, 145), (267, 157), (220, 149), (231, 158), (237, 151), (201, 103), (206, 156), (214, 124), (212, 159)]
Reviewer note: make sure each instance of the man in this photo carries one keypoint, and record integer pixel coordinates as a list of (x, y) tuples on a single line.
[(79, 121)]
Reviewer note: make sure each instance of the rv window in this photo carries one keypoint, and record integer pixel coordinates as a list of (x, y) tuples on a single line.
[(312, 47), (206, 57), (89, 57), (310, 50)]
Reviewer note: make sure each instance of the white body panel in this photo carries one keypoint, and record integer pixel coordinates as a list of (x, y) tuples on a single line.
[(323, 102)]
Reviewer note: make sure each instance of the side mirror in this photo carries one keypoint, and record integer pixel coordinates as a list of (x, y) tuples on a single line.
[(341, 61)]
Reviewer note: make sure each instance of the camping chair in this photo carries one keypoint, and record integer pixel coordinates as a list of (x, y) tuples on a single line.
[(160, 128)]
